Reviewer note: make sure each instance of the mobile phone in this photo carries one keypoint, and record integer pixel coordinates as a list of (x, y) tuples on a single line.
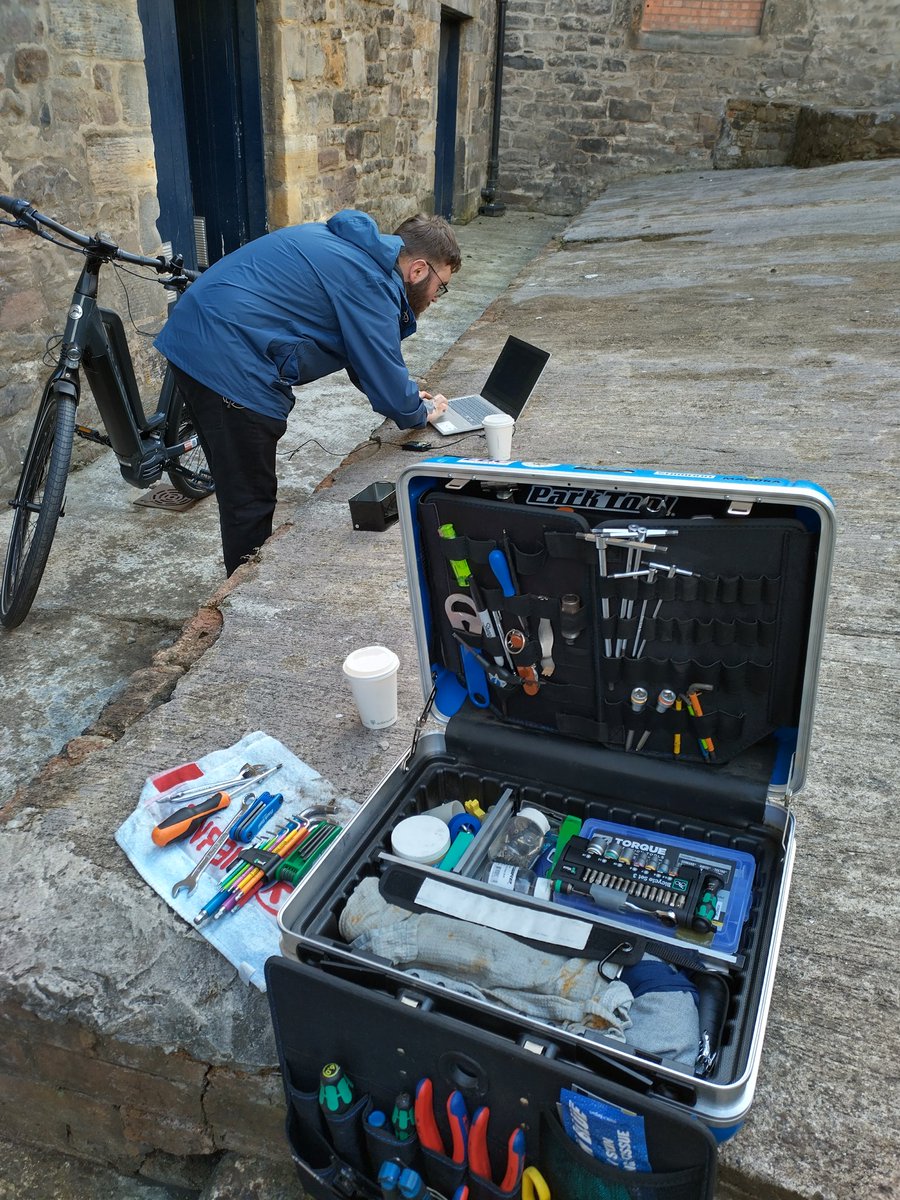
[(414, 446)]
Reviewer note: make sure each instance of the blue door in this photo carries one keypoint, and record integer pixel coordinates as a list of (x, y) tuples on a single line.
[(202, 67), (445, 135)]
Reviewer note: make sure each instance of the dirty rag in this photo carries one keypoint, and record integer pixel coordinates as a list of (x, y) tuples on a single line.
[(487, 964), (248, 936)]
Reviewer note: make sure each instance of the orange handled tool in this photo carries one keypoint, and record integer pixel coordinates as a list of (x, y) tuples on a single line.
[(188, 819)]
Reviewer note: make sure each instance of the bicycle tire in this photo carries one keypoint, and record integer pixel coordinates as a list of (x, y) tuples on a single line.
[(190, 473), (38, 505)]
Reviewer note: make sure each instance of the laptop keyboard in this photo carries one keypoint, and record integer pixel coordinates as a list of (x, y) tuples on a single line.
[(473, 408)]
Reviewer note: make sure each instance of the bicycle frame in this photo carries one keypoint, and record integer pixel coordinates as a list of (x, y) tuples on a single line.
[(94, 339)]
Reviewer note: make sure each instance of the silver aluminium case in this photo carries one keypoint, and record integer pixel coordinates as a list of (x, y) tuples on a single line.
[(720, 1104)]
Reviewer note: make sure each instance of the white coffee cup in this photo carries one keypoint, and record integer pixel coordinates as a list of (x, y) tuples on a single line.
[(372, 671), (498, 432)]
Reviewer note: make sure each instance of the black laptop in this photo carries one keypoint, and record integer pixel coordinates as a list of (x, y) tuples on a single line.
[(508, 387)]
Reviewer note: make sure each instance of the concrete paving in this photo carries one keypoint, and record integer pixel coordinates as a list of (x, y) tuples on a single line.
[(734, 322)]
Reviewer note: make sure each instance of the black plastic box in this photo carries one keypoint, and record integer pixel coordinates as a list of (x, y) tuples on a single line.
[(375, 507)]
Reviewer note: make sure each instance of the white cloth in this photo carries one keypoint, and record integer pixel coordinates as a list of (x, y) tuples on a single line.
[(249, 936), (570, 991)]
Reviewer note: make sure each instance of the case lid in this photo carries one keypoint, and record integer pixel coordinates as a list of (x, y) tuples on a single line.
[(670, 618)]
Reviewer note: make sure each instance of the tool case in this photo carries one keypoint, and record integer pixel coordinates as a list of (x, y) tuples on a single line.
[(633, 654)]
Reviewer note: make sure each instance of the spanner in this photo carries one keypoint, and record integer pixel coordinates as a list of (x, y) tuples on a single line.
[(251, 774), (190, 881)]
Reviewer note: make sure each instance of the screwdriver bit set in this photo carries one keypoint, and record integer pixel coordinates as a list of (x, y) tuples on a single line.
[(632, 655)]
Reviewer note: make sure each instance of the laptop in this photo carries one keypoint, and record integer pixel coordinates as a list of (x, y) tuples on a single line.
[(508, 387)]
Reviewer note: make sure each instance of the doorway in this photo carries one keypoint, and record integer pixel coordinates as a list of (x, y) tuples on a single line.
[(202, 64), (447, 102)]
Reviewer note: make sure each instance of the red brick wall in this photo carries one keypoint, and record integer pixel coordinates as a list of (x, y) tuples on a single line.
[(704, 16)]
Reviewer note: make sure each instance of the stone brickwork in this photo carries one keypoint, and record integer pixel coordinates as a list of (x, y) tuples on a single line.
[(763, 134), (141, 1110), (591, 95), (76, 142), (842, 135), (756, 133), (350, 96)]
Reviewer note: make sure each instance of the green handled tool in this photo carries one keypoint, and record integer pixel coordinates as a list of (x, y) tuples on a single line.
[(335, 1089), (459, 566)]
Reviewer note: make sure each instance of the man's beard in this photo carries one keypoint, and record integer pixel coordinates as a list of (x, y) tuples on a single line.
[(417, 295)]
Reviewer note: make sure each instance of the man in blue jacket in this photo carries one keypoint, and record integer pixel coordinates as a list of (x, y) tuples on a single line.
[(288, 308)]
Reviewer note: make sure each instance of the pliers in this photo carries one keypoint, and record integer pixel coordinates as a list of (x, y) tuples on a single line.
[(534, 1185), (426, 1125), (479, 1159)]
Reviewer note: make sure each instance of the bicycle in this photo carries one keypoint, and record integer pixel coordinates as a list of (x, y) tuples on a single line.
[(94, 339)]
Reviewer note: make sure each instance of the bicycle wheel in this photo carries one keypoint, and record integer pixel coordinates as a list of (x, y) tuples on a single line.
[(38, 504), (189, 473)]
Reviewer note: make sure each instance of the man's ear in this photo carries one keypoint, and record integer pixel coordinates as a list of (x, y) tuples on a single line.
[(411, 269)]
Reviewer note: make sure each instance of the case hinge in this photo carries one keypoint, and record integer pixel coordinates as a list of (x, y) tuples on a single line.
[(416, 1000)]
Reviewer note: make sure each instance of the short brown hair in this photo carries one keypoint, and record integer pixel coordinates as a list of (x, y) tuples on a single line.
[(430, 238)]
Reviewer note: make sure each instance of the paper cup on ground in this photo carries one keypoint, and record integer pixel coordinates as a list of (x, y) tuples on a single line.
[(372, 672), (498, 431)]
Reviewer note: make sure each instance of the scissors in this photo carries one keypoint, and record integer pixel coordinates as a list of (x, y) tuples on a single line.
[(534, 1185)]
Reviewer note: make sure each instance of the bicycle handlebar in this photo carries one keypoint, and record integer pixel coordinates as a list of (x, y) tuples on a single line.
[(27, 217)]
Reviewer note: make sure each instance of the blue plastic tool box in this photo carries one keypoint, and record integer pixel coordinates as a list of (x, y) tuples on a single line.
[(634, 654)]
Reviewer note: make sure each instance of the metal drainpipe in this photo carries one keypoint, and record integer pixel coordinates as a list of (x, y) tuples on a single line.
[(492, 207)]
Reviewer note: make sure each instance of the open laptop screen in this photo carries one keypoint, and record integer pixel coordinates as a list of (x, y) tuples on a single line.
[(514, 375)]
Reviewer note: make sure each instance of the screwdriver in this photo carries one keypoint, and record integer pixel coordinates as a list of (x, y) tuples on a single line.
[(187, 820), (335, 1089), (403, 1117)]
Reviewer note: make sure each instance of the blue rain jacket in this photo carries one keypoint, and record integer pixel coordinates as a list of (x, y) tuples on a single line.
[(295, 305)]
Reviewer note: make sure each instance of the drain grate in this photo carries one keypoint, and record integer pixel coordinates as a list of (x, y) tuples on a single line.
[(165, 497)]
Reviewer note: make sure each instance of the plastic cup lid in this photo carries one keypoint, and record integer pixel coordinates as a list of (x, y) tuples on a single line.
[(371, 662)]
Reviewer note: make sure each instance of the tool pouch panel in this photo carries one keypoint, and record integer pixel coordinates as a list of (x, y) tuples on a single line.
[(690, 619), (538, 651)]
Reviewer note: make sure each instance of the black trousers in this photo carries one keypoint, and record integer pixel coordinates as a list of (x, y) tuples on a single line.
[(239, 445)]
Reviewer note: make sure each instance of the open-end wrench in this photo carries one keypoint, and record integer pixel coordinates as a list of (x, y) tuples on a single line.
[(190, 881), (251, 774)]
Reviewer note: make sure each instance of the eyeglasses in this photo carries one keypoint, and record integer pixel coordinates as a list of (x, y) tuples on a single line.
[(442, 287)]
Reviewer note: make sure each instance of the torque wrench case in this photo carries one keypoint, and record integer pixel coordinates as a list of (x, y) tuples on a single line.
[(635, 655)]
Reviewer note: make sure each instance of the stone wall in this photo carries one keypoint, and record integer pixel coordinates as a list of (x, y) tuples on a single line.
[(842, 135), (76, 142), (590, 96), (766, 134), (350, 95)]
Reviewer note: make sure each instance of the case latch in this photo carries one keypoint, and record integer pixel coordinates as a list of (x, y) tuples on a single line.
[(415, 1000), (740, 508), (537, 1046)]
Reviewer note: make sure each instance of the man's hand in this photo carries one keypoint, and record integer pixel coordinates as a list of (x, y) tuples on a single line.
[(436, 405)]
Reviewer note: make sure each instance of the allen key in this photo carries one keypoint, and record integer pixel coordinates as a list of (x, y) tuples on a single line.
[(671, 571), (603, 539)]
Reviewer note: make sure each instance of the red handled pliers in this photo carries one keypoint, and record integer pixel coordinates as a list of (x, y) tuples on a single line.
[(426, 1125)]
